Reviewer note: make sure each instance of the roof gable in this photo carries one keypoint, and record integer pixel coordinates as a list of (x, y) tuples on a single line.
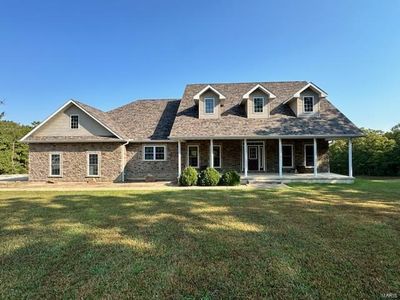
[(260, 87), (92, 113)]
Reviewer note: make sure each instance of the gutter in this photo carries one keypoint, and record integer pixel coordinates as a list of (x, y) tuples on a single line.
[(123, 150)]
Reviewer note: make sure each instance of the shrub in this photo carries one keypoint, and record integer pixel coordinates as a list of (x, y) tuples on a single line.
[(230, 178), (188, 177), (209, 177)]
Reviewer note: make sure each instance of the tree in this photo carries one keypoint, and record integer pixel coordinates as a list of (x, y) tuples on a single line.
[(375, 154), (13, 154), (2, 113)]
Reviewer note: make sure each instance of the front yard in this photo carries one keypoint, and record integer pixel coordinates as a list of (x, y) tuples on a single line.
[(307, 241)]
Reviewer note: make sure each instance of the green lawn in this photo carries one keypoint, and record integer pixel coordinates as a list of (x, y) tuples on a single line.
[(306, 241)]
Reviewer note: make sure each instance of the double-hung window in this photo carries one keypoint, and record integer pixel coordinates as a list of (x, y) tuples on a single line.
[(287, 156), (258, 104), (93, 164), (308, 104), (217, 156), (209, 104), (193, 156), (74, 121), (154, 153), (55, 164), (309, 155)]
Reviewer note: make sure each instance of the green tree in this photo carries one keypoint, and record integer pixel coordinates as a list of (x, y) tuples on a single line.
[(373, 155), (13, 154)]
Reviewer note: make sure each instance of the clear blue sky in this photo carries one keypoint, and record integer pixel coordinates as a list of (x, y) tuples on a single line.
[(108, 53)]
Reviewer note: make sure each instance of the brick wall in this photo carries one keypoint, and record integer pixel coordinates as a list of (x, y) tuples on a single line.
[(74, 161), (137, 168)]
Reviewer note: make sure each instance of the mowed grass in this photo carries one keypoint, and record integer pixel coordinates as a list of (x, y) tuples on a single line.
[(305, 241)]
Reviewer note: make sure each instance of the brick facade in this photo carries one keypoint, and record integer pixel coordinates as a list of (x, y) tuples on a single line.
[(137, 168), (74, 161)]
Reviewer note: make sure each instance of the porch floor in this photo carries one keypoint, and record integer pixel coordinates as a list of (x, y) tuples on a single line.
[(292, 177)]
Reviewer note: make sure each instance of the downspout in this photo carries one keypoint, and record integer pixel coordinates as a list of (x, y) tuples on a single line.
[(123, 160)]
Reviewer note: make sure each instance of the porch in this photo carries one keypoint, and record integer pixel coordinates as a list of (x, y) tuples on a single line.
[(324, 177), (301, 159)]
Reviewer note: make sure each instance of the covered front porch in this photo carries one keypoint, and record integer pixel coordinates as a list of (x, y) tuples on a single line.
[(323, 177), (295, 159)]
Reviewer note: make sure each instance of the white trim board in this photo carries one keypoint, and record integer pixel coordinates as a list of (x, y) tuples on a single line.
[(208, 87), (259, 86)]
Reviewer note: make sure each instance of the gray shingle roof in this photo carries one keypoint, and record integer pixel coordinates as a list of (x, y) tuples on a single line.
[(282, 121), (146, 119)]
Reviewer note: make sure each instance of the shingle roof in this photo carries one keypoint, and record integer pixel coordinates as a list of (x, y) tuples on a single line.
[(146, 119), (282, 121), (104, 118)]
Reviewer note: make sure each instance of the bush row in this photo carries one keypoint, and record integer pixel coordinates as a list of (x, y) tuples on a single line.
[(208, 177)]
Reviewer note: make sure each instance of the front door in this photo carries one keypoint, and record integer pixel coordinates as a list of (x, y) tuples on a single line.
[(253, 158)]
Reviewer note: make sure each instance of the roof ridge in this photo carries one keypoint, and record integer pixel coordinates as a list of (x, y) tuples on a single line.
[(142, 100), (249, 82)]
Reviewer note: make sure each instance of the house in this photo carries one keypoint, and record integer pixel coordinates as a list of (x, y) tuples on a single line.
[(267, 130)]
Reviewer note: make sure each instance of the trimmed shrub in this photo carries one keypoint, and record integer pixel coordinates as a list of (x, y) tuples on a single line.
[(209, 177), (230, 178), (188, 177)]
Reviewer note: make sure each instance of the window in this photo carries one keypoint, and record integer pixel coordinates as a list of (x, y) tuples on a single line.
[(209, 105), (308, 104), (55, 164), (217, 156), (154, 152), (287, 156), (74, 122), (309, 155), (93, 164), (193, 156), (253, 152), (258, 104)]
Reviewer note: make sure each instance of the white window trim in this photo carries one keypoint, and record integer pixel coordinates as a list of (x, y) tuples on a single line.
[(220, 156), (70, 121), (313, 103), (98, 163), (61, 164), (154, 149), (205, 106), (198, 156), (305, 160), (292, 165), (254, 106)]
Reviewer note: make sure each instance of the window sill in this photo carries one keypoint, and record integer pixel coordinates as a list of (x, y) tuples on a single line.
[(55, 176), (93, 176)]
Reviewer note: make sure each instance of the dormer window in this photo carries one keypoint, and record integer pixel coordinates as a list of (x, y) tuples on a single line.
[(74, 122), (258, 104), (209, 104), (308, 104)]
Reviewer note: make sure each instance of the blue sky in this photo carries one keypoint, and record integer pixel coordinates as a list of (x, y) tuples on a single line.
[(108, 53)]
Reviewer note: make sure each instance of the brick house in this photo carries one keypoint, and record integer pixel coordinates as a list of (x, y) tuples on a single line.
[(267, 130)]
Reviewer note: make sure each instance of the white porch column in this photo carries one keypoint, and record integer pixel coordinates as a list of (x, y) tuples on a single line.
[(179, 159), (350, 158), (246, 159), (315, 158), (211, 163), (280, 158)]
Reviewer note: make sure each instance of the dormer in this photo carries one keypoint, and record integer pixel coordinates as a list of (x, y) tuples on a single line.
[(209, 102), (257, 102), (306, 101)]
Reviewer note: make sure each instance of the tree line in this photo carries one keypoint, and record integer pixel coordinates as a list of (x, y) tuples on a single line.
[(377, 153)]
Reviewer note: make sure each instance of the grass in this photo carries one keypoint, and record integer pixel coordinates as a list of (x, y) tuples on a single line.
[(305, 241)]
